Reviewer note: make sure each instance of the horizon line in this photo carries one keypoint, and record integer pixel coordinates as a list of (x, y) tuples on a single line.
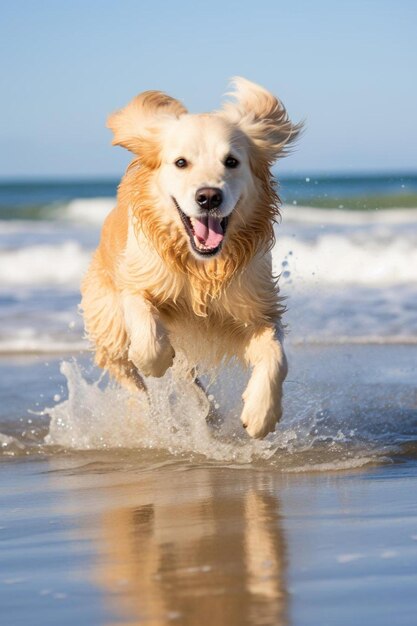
[(82, 178)]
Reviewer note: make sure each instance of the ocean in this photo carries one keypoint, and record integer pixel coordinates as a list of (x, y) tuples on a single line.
[(348, 275), (116, 509), (348, 267)]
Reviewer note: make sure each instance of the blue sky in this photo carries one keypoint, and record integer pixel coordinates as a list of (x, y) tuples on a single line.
[(347, 68)]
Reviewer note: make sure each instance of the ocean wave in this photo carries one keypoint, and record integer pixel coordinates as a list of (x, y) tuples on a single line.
[(80, 210), (349, 340), (328, 259), (314, 246), (93, 211), (312, 215), (349, 259), (41, 344), (86, 210), (60, 264)]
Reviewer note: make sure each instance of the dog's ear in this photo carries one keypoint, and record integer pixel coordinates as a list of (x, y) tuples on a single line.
[(136, 126), (263, 119)]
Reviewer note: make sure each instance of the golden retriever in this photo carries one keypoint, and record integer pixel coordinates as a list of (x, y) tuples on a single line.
[(184, 262)]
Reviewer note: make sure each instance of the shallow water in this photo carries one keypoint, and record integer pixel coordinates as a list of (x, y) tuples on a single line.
[(127, 540), (118, 509), (116, 512), (344, 407)]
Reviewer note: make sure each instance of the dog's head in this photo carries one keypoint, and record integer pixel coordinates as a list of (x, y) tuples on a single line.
[(208, 169)]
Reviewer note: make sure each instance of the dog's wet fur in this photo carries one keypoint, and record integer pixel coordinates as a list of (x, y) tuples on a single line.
[(183, 265)]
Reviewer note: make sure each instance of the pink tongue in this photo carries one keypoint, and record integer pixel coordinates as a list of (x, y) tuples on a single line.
[(208, 230)]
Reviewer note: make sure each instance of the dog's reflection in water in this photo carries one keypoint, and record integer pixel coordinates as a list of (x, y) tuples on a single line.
[(218, 560)]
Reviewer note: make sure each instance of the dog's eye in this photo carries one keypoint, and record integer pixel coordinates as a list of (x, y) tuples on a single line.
[(231, 162), (181, 163)]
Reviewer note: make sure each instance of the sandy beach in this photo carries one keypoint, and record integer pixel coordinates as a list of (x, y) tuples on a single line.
[(318, 526), (93, 541)]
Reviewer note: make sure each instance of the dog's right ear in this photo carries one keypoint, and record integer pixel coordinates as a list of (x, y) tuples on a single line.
[(136, 126)]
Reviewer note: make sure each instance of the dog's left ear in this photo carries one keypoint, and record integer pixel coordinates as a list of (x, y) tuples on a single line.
[(263, 119)]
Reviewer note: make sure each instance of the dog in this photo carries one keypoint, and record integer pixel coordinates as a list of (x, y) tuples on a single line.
[(184, 264)]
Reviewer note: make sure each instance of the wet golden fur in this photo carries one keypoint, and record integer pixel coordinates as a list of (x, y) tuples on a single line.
[(146, 296)]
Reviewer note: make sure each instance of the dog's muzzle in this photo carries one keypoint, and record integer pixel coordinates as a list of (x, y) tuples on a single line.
[(206, 232)]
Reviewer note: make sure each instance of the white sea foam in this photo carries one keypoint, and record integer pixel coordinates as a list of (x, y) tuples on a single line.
[(40, 344), (59, 264), (310, 215), (359, 340), (10, 446), (372, 258), (351, 259), (348, 558), (172, 419), (363, 265), (94, 211), (86, 210)]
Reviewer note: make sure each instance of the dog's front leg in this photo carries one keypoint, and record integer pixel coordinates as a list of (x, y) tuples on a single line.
[(150, 349), (263, 394)]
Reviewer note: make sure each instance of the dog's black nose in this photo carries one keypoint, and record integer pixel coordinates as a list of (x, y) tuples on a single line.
[(209, 197)]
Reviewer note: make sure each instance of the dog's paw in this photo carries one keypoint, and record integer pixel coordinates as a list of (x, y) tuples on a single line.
[(156, 364), (261, 412), (259, 425)]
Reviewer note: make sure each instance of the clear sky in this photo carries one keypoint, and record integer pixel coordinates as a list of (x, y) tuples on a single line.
[(347, 67)]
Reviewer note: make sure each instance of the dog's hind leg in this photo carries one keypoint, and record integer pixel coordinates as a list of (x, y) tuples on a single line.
[(126, 374), (213, 417)]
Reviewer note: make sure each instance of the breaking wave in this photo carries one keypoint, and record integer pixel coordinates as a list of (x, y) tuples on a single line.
[(313, 246), (55, 264)]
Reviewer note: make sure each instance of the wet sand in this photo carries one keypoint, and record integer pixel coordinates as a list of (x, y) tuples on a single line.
[(88, 541), (147, 537)]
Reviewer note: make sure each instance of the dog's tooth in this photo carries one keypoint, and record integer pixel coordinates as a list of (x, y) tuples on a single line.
[(199, 245)]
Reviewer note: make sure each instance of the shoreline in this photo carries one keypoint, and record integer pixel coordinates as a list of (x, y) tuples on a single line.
[(203, 527), (94, 543)]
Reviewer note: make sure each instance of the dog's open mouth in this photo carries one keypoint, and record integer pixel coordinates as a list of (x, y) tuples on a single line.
[(206, 232)]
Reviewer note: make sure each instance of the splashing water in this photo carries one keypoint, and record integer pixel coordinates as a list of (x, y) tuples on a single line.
[(171, 417), (323, 428)]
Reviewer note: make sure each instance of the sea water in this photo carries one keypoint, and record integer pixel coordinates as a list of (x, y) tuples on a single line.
[(349, 276)]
